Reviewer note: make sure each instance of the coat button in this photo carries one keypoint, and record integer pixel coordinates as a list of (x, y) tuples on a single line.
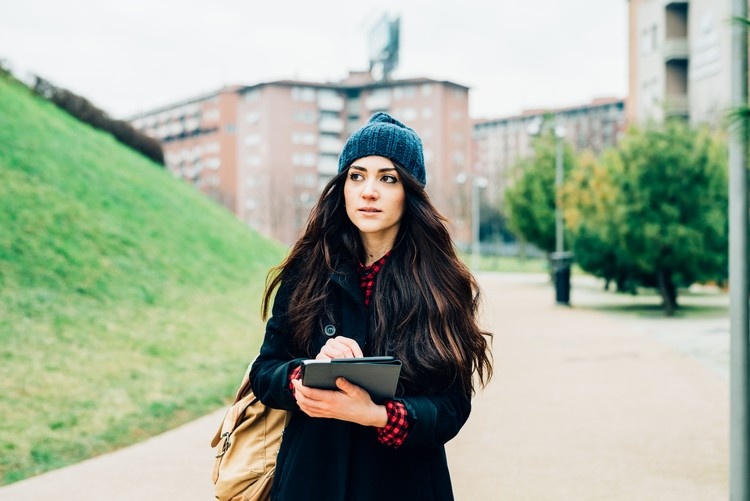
[(329, 330)]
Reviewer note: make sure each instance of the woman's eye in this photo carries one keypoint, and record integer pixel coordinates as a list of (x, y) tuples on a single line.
[(390, 179), (355, 176)]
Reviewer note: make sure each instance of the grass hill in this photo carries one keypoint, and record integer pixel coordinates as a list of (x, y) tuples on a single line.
[(129, 302)]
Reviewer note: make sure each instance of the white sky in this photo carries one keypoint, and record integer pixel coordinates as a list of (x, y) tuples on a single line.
[(128, 56)]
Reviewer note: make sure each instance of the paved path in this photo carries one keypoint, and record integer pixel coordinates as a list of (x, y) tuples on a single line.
[(583, 406)]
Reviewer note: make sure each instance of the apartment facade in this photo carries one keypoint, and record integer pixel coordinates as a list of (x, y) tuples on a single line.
[(265, 151), (679, 60), (498, 144), (199, 141)]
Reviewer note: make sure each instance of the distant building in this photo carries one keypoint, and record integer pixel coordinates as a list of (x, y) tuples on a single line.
[(265, 151), (498, 144), (679, 60), (199, 140)]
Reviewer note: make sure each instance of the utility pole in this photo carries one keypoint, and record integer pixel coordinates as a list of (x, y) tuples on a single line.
[(739, 436)]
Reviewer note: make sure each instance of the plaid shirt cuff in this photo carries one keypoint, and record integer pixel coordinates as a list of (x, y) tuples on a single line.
[(396, 430), (295, 374)]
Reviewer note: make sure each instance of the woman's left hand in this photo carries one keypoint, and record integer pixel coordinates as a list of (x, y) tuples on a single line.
[(349, 403)]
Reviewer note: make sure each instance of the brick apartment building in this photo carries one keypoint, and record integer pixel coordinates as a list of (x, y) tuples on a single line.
[(264, 151), (679, 60), (498, 144)]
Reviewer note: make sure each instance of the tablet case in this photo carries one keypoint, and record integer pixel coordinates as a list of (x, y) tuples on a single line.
[(377, 375)]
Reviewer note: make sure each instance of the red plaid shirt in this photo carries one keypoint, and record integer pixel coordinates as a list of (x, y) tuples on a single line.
[(367, 275), (396, 429)]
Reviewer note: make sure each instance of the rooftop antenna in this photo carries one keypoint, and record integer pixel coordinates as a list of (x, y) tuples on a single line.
[(383, 41)]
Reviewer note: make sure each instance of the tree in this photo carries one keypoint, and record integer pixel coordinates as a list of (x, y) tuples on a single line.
[(670, 212), (530, 199), (590, 205)]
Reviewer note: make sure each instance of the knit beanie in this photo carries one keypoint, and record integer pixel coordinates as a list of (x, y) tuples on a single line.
[(385, 136)]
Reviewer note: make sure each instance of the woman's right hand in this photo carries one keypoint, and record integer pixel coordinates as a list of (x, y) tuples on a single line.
[(340, 347)]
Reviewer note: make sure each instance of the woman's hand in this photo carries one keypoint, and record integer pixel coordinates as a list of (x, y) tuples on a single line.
[(340, 347), (348, 403)]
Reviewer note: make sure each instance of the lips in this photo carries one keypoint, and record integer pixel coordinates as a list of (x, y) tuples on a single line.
[(369, 210)]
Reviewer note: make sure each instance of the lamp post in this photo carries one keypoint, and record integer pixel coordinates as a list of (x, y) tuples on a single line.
[(561, 260), (739, 271), (477, 183), (559, 177)]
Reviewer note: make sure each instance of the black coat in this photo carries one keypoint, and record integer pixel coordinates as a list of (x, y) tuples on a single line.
[(332, 460)]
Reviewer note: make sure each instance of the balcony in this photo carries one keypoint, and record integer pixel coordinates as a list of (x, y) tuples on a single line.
[(332, 125), (330, 103), (675, 49), (677, 105), (353, 107), (378, 101), (328, 165), (330, 144)]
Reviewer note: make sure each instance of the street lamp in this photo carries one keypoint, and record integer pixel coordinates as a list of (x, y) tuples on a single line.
[(478, 182), (561, 260)]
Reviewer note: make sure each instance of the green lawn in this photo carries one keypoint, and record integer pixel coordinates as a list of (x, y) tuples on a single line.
[(511, 264), (129, 303)]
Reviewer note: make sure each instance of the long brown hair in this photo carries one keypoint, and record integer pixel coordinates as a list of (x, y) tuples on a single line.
[(425, 304)]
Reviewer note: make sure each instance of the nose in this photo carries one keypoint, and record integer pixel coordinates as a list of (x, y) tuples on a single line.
[(369, 191)]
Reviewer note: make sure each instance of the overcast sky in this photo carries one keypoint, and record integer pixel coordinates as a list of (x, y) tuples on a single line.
[(129, 56)]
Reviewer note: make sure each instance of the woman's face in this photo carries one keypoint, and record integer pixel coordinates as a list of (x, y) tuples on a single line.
[(374, 197)]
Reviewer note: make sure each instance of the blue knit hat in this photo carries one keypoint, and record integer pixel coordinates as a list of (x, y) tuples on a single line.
[(385, 136)]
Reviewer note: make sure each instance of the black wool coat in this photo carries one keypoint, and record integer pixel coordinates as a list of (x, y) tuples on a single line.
[(332, 460)]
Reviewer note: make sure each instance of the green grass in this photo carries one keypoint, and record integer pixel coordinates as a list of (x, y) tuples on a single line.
[(129, 303), (508, 264)]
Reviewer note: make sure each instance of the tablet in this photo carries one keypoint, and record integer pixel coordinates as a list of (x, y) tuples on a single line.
[(377, 375)]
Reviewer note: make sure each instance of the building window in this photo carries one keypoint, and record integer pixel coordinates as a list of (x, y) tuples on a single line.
[(379, 99), (304, 159), (409, 114), (306, 117), (252, 139), (404, 92), (304, 94), (308, 138), (427, 89), (211, 115), (305, 180), (649, 41), (458, 158)]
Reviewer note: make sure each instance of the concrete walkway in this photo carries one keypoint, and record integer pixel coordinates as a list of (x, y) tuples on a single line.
[(583, 406), (586, 406)]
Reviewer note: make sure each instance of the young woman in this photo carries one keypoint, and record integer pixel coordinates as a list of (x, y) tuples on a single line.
[(375, 273)]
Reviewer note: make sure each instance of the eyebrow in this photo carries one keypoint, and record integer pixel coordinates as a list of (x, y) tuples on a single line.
[(362, 169)]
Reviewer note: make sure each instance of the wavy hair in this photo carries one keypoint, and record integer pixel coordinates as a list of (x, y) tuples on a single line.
[(425, 304)]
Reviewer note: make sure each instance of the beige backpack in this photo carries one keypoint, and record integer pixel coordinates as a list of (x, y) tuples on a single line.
[(246, 446)]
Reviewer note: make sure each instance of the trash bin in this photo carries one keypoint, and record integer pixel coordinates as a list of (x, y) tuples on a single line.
[(561, 264)]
